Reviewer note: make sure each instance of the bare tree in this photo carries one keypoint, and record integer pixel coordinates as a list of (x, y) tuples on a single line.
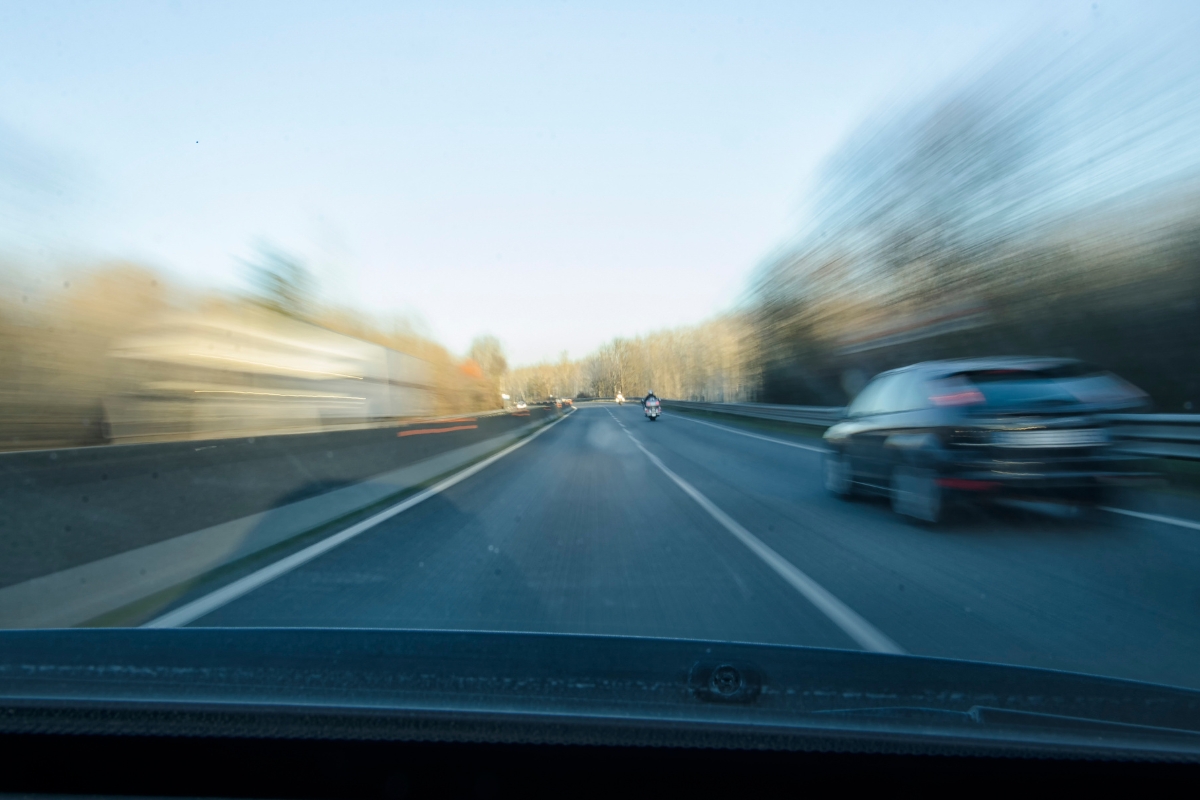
[(487, 352), (281, 281)]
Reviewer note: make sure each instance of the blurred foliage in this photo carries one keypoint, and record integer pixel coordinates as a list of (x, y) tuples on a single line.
[(1046, 205), (55, 333), (281, 282), (490, 364), (487, 352), (455, 391), (712, 361), (58, 330)]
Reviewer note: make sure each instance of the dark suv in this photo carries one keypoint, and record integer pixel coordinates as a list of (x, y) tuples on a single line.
[(945, 431)]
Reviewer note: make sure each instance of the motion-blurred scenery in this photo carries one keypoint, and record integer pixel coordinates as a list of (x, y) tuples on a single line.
[(772, 332), (1041, 204), (118, 354), (1044, 204)]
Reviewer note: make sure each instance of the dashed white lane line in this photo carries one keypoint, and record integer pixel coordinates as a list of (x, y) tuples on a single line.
[(864, 633), (813, 447), (1181, 523), (226, 594)]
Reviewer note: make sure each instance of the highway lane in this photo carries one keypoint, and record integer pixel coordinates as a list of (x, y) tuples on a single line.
[(64, 508), (580, 532), (575, 532), (1099, 593)]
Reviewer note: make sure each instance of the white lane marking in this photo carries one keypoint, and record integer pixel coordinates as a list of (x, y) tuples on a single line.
[(864, 633), (227, 594), (1182, 523), (813, 447)]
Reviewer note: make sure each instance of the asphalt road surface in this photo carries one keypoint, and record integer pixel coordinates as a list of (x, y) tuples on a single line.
[(609, 524), (63, 508)]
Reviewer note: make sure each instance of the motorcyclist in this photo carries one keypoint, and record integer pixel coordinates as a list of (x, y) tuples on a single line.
[(650, 396)]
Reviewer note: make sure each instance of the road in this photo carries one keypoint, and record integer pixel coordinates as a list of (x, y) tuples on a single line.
[(63, 508), (609, 524)]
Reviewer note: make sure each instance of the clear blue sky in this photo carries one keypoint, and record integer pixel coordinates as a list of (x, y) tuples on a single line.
[(553, 173)]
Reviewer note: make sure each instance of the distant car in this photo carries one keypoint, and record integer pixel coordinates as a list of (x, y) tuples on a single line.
[(521, 404), (568, 401), (941, 432)]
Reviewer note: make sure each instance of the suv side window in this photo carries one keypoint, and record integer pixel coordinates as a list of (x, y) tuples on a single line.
[(909, 393), (891, 394), (868, 400)]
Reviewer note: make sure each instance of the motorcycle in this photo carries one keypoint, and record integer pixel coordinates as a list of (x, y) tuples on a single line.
[(652, 410)]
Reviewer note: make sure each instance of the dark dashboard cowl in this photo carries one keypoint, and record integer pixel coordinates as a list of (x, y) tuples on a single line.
[(570, 689)]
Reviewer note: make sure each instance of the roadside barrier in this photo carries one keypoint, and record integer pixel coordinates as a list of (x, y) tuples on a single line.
[(1174, 436)]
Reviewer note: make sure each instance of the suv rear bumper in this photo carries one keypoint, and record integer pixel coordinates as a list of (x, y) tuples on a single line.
[(1049, 480), (1048, 477)]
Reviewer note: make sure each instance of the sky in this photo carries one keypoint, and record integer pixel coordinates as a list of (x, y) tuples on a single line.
[(554, 174)]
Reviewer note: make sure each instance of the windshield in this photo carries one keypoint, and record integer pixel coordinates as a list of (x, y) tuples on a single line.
[(345, 316)]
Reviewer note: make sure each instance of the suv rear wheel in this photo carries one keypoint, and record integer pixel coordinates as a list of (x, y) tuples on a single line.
[(839, 475), (915, 493)]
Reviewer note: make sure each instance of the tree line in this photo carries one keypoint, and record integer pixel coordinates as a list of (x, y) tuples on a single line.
[(714, 361)]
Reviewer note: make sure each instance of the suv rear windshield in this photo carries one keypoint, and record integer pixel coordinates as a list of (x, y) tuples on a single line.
[(1066, 384), (1008, 388)]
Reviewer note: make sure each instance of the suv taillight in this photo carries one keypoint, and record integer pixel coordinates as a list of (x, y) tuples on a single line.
[(967, 398), (954, 392)]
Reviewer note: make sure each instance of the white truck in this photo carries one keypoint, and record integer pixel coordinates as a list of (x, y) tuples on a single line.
[(213, 375)]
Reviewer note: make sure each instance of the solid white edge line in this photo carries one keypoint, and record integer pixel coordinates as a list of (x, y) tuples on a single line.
[(192, 611), (1181, 523), (864, 633), (812, 447)]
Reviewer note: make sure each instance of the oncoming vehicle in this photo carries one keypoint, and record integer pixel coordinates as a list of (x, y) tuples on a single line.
[(522, 404), (620, 399), (935, 433)]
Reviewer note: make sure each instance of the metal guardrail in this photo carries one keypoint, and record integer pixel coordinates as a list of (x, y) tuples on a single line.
[(1158, 435), (1174, 436)]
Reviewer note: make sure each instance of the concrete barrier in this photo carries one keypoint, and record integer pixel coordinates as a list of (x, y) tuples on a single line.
[(83, 591)]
